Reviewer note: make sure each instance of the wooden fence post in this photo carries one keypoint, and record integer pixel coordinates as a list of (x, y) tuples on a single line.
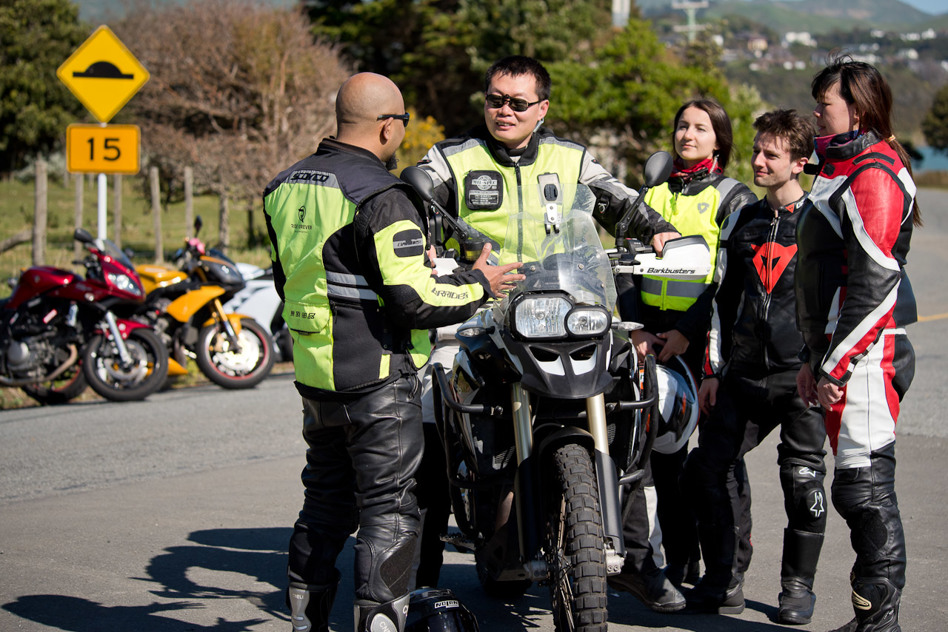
[(79, 188), (39, 213), (224, 227), (188, 200), (156, 212)]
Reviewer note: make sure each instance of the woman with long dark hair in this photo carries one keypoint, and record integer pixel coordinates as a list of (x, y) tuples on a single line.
[(853, 303), (676, 315)]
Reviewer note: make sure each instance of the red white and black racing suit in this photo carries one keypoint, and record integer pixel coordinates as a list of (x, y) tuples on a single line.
[(853, 302)]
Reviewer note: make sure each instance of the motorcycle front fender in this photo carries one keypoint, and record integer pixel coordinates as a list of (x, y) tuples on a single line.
[(125, 327), (187, 305), (232, 317)]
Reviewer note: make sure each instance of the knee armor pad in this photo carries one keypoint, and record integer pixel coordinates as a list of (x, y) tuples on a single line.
[(372, 616), (804, 497), (384, 573)]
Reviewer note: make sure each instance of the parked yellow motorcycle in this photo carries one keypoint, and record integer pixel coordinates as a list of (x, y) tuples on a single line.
[(184, 305)]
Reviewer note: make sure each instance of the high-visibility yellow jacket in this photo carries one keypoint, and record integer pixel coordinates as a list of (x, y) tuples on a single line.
[(348, 248), (483, 183)]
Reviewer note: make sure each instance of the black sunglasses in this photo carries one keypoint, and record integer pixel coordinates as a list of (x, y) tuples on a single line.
[(401, 117), (495, 101)]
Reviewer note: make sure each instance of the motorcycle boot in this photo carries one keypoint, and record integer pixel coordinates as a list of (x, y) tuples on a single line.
[(372, 616), (865, 497), (310, 605), (801, 551), (720, 590), (651, 587), (876, 603)]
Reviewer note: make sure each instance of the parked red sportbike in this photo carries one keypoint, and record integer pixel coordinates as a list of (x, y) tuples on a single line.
[(56, 321)]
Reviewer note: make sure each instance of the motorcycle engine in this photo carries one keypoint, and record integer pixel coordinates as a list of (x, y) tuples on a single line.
[(35, 346)]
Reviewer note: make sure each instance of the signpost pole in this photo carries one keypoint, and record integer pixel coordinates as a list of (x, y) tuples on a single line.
[(103, 219), (103, 197)]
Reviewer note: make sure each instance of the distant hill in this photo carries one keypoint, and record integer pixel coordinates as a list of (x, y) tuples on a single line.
[(814, 16), (97, 11)]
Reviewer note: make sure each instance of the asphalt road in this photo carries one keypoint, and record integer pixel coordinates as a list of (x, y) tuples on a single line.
[(173, 514)]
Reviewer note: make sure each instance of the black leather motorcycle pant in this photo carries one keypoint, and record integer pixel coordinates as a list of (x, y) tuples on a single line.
[(360, 465), (747, 410)]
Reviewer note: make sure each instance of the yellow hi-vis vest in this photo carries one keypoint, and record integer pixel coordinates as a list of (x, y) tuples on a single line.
[(691, 215), (498, 191)]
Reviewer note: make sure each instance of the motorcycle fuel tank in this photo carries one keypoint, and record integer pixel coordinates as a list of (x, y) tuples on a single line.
[(38, 280)]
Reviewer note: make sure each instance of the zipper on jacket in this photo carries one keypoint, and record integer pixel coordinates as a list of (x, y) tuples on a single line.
[(520, 207), (765, 307)]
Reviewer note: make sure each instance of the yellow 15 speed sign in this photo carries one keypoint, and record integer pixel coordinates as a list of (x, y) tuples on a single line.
[(103, 149)]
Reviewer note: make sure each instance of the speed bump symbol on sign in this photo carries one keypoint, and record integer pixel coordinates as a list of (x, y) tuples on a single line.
[(103, 74)]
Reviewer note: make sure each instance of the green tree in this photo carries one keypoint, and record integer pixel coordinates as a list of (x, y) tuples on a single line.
[(36, 37), (935, 123), (238, 90), (438, 50), (623, 95)]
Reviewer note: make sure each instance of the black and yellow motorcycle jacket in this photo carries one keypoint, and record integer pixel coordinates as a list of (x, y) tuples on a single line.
[(482, 182), (348, 249)]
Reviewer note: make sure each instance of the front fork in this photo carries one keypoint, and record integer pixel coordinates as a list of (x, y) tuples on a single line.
[(228, 327), (608, 480), (605, 473), (117, 338)]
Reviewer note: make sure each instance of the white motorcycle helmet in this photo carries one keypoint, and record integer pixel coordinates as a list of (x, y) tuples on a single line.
[(677, 406)]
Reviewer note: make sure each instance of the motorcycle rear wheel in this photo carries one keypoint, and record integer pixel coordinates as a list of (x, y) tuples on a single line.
[(102, 366), (230, 369), (68, 386), (574, 544)]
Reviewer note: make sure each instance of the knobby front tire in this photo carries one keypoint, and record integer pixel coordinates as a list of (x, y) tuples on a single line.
[(575, 551)]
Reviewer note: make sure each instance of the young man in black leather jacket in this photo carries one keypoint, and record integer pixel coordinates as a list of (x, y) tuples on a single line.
[(749, 386)]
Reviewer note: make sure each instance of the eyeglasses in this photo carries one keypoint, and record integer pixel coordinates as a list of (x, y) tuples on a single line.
[(401, 117), (495, 101)]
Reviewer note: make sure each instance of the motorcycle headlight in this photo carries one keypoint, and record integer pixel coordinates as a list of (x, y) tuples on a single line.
[(124, 283), (542, 317), (587, 321)]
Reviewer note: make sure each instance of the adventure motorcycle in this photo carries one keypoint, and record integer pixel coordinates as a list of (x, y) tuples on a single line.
[(185, 307), (60, 332), (547, 416)]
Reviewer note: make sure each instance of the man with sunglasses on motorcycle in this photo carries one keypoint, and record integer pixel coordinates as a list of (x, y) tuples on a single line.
[(498, 169), (348, 250)]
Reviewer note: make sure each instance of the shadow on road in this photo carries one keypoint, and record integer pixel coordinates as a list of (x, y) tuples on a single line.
[(258, 555)]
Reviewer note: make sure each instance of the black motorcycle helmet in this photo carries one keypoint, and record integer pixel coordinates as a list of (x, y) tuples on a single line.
[(438, 610)]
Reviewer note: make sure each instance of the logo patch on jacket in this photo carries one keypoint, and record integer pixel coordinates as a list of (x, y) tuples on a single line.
[(408, 243), (771, 259), (483, 190)]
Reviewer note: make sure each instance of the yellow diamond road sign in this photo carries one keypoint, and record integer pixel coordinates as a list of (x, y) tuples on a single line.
[(103, 74)]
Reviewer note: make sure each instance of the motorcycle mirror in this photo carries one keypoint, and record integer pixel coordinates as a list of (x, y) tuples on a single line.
[(420, 181), (83, 236), (657, 168), (197, 224)]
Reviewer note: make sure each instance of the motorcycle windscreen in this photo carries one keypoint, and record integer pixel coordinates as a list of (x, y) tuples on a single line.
[(559, 245)]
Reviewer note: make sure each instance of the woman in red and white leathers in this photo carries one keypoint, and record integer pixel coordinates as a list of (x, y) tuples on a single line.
[(853, 303)]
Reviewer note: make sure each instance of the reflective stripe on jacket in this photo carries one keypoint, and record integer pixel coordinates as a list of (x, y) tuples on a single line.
[(348, 249), (695, 214)]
